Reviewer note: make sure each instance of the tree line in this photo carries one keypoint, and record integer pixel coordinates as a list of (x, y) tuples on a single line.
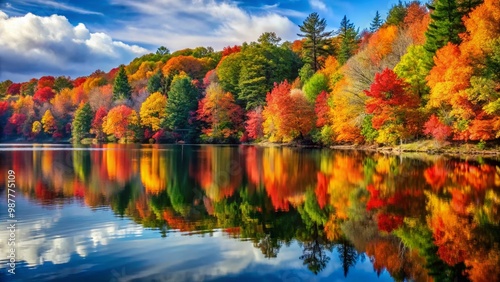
[(426, 71)]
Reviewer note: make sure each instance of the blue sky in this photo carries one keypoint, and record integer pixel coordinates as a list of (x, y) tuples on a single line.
[(70, 37)]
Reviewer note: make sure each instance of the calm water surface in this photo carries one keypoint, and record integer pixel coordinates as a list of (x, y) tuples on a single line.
[(244, 213)]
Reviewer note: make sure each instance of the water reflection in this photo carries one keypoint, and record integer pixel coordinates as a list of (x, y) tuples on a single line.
[(416, 218)]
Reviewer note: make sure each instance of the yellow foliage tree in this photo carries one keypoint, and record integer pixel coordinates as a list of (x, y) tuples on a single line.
[(153, 111), (37, 127), (93, 82), (347, 112), (62, 103), (24, 105), (49, 123), (145, 71)]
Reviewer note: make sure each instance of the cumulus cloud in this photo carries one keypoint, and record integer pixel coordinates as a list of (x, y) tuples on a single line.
[(32, 46), (182, 24)]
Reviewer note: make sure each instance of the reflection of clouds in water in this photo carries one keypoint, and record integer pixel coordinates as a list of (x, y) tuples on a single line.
[(35, 245), (190, 259), (204, 258)]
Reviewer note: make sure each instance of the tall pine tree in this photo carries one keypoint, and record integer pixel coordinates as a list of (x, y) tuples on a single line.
[(159, 83), (317, 41), (121, 88), (82, 122), (445, 26), (376, 23), (348, 35), (183, 99), (396, 14)]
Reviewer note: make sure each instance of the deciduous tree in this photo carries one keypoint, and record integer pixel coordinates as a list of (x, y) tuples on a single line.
[(97, 123), (45, 81), (254, 123), (37, 127), (413, 69), (391, 106), (62, 82), (49, 123), (288, 115), (43, 95), (153, 111), (16, 122), (121, 121), (222, 116), (4, 85), (188, 64), (437, 129), (14, 89), (314, 86)]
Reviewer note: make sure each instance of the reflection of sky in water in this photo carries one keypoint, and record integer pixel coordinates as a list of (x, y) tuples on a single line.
[(77, 243)]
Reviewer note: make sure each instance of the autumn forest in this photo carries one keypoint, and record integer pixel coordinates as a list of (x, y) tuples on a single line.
[(426, 71)]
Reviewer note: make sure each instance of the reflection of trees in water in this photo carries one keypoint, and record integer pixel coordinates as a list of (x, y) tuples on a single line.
[(269, 246), (314, 251), (347, 254), (274, 197)]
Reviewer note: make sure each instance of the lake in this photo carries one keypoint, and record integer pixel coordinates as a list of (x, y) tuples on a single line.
[(245, 213)]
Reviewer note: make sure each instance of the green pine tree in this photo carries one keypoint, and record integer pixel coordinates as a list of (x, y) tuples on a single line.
[(82, 122), (396, 14), (318, 41), (121, 87), (61, 83), (347, 254), (445, 26), (182, 100), (376, 22), (348, 36), (466, 6), (159, 83)]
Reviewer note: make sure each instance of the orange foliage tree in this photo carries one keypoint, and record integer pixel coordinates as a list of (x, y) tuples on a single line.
[(416, 21), (380, 44), (188, 64), (45, 81), (120, 122), (223, 118), (288, 114)]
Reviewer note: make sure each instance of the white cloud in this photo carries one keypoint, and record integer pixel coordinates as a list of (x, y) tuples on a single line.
[(61, 6), (183, 24), (32, 46), (317, 4), (57, 249), (53, 6)]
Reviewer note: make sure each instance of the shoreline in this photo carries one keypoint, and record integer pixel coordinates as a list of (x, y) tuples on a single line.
[(429, 147)]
